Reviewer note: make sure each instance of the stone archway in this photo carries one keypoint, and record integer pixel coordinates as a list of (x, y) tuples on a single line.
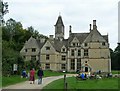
[(86, 68)]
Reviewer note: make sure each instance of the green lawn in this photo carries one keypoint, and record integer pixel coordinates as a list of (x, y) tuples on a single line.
[(12, 80), (115, 71), (17, 78), (0, 81), (106, 83)]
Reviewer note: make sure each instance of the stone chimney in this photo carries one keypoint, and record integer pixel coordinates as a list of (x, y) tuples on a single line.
[(70, 30), (90, 27), (94, 24), (51, 37), (42, 40)]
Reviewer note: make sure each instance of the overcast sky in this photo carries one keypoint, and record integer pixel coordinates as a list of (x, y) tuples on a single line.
[(43, 14)]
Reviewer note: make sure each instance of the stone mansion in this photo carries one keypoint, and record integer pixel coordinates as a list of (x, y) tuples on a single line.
[(84, 51)]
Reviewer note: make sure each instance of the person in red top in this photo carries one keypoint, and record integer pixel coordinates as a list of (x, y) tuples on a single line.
[(32, 76)]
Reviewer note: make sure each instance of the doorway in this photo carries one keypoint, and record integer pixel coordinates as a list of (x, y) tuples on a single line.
[(86, 69)]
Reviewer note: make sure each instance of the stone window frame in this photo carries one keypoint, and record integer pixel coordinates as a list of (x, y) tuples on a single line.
[(74, 44), (79, 52), (79, 63), (86, 52), (63, 50), (47, 66), (33, 49), (85, 44), (26, 50), (63, 57), (72, 52), (63, 66), (47, 57), (47, 48), (103, 44), (72, 64), (33, 57)]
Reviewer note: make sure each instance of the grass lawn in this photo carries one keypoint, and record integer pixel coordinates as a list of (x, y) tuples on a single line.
[(12, 80), (0, 81), (106, 83), (115, 71), (17, 78)]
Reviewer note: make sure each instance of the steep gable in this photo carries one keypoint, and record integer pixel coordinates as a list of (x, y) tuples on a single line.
[(75, 39), (31, 43), (45, 50), (80, 36), (94, 36)]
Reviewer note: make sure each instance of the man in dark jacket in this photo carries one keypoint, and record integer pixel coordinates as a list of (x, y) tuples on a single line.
[(40, 75)]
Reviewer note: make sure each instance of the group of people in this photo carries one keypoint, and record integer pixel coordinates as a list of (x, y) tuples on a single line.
[(31, 75), (83, 76)]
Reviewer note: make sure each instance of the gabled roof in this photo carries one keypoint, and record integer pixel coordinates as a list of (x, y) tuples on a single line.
[(57, 44), (39, 43), (80, 36), (94, 36), (31, 43), (105, 37), (59, 21)]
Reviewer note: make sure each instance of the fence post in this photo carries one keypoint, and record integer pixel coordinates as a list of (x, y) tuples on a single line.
[(65, 83)]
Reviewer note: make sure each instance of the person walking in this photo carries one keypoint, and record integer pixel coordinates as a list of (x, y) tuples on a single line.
[(32, 76), (40, 74)]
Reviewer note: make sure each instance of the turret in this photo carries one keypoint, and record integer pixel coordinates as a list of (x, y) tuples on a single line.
[(59, 29)]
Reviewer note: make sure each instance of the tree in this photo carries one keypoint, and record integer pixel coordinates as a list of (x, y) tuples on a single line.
[(11, 24), (117, 57), (3, 11)]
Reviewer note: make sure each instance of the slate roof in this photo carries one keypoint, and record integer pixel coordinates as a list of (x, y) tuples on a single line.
[(95, 36), (57, 44), (80, 36), (59, 21)]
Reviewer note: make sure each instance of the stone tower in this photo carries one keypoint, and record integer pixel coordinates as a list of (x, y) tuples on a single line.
[(59, 29)]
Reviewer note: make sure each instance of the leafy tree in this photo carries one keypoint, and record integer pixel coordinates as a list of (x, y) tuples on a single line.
[(117, 57), (3, 11), (9, 57)]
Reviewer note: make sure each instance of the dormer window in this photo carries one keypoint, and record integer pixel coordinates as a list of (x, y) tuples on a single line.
[(63, 49), (79, 52), (47, 48), (77, 44), (85, 44), (33, 49), (25, 50), (103, 43), (72, 52), (73, 44)]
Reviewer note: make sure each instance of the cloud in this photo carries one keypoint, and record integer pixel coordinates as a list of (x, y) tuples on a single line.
[(43, 14)]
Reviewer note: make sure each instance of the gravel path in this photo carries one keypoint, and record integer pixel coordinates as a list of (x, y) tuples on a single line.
[(27, 85)]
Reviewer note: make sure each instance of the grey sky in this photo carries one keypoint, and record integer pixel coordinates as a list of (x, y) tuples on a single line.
[(43, 14)]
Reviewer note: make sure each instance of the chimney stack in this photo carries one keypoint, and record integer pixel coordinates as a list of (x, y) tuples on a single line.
[(90, 27), (94, 24), (51, 37), (70, 30)]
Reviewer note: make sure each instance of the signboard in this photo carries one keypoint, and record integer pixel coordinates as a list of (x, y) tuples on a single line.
[(14, 67)]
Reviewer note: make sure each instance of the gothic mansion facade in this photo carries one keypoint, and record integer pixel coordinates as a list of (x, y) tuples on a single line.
[(83, 51)]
